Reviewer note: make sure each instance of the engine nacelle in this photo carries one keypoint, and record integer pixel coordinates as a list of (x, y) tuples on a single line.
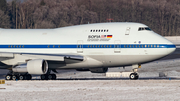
[(37, 66), (99, 70)]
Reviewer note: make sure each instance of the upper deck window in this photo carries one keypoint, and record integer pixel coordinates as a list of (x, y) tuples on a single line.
[(144, 28)]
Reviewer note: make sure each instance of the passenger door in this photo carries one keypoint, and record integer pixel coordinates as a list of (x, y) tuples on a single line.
[(127, 30), (80, 46), (117, 46)]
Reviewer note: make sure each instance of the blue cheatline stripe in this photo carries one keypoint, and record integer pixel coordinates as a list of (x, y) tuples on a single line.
[(91, 46)]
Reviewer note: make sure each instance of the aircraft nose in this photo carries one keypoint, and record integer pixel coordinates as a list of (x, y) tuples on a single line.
[(171, 48)]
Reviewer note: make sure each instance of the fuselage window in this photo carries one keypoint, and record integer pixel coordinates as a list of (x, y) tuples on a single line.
[(9, 46), (147, 28), (101, 30), (151, 46), (101, 46), (144, 28), (91, 30), (139, 29), (145, 46), (20, 46), (23, 46), (107, 46), (96, 30), (154, 46), (107, 30), (104, 30), (142, 46), (110, 46), (157, 46), (104, 46), (59, 46)]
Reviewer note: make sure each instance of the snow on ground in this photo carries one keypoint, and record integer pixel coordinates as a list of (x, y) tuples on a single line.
[(77, 86), (91, 90)]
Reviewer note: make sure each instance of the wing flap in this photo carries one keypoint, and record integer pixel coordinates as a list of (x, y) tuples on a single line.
[(45, 57)]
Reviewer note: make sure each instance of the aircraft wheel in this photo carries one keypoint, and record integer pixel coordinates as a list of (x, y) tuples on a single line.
[(54, 76), (50, 77), (28, 77), (44, 77), (8, 77), (22, 77), (134, 76), (14, 77), (137, 76)]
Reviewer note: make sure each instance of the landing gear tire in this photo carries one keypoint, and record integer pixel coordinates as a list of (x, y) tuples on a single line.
[(28, 77), (22, 77), (44, 77), (54, 76), (134, 76), (15, 77), (50, 77), (8, 77)]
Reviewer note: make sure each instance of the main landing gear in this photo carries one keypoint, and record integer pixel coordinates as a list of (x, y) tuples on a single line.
[(17, 76), (135, 75), (48, 76)]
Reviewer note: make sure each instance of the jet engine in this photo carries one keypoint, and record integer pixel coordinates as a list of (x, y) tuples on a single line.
[(99, 70), (37, 66)]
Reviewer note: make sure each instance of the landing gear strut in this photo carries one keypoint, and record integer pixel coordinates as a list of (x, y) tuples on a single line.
[(135, 75)]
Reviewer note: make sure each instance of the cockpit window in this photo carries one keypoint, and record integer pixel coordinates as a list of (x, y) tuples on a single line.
[(144, 28)]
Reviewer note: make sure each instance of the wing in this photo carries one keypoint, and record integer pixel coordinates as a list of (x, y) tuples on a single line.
[(52, 58)]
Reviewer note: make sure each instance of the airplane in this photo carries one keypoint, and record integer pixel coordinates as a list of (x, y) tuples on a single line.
[(89, 47)]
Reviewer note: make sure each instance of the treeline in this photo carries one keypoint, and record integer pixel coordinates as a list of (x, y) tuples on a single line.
[(162, 16)]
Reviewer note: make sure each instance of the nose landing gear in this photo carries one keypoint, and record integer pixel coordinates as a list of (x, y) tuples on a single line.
[(135, 75)]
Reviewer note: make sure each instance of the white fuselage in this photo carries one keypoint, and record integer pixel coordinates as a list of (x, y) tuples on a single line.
[(102, 45)]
